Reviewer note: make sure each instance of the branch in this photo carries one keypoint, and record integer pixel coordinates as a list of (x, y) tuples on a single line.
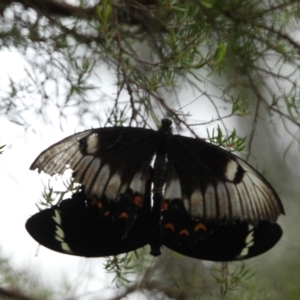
[(53, 7), (13, 295)]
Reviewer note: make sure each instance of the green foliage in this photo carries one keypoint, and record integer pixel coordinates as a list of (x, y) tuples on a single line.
[(151, 47), (231, 280), (122, 266), (231, 142), (1, 147), (240, 107), (52, 195)]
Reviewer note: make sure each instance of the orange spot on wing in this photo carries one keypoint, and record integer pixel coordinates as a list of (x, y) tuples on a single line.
[(138, 201), (123, 215), (200, 226), (170, 226), (184, 232), (164, 206), (99, 204)]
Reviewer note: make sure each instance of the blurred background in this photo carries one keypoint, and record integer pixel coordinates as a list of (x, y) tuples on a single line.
[(67, 66)]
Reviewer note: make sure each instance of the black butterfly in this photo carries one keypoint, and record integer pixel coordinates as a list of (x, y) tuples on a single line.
[(207, 203)]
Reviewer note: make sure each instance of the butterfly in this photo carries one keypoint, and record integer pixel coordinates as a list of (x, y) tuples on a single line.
[(206, 202)]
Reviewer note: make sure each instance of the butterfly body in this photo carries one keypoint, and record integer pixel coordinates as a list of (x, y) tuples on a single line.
[(207, 203)]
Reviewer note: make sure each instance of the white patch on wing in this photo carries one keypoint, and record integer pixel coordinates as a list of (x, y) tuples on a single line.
[(59, 239), (210, 203), (251, 207), (249, 241), (113, 186), (250, 236), (74, 160), (244, 189), (187, 206), (123, 188), (92, 142), (231, 170), (173, 189), (197, 204), (100, 182), (247, 168), (66, 248), (59, 233), (138, 183), (59, 236), (261, 196), (81, 168), (236, 210), (264, 200), (223, 201), (243, 253), (91, 173), (57, 217)]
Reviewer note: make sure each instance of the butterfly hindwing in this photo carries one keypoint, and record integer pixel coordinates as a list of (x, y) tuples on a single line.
[(228, 242), (75, 227)]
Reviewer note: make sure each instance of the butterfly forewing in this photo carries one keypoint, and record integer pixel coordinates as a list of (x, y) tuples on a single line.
[(217, 185), (103, 160)]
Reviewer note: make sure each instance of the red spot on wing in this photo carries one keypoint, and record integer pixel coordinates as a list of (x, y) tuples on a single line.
[(200, 226)]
